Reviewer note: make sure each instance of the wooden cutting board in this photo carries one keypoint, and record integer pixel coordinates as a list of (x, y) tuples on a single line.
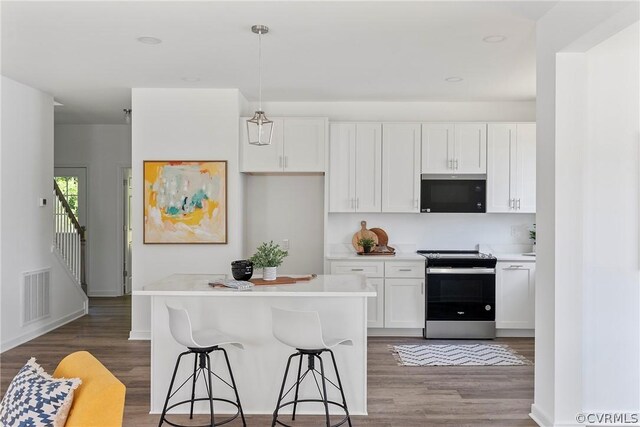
[(383, 238), (282, 280), (363, 233)]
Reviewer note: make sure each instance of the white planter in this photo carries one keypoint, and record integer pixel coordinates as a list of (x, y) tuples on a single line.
[(269, 273)]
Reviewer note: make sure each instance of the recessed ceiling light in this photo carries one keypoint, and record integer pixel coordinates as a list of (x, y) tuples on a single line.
[(191, 79), (454, 79), (494, 39), (149, 40)]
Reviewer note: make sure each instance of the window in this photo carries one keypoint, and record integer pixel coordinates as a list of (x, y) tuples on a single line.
[(69, 187)]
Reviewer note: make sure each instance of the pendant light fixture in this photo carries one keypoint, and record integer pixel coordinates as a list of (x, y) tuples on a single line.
[(259, 127)]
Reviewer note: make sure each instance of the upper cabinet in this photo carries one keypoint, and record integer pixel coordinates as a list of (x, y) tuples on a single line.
[(459, 148), (297, 145), (401, 167), (355, 167), (511, 167)]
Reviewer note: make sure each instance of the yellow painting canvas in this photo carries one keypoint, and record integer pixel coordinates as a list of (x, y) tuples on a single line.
[(185, 202)]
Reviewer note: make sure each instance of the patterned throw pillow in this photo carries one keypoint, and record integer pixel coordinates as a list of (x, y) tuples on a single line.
[(36, 399)]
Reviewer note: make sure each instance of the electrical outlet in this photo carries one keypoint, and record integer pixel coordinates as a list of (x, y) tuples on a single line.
[(285, 244)]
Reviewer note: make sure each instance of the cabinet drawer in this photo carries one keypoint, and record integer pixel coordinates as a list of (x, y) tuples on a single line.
[(404, 269), (369, 269)]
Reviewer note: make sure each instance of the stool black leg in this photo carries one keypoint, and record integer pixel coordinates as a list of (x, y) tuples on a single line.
[(235, 388), (324, 391), (344, 401), (284, 380), (295, 400), (193, 388), (173, 378), (213, 421)]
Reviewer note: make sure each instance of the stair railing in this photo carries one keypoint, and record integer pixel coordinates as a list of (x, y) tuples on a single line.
[(69, 237)]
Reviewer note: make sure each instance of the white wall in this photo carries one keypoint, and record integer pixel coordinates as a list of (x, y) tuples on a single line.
[(27, 229), (287, 207), (561, 328), (183, 124), (524, 111), (408, 232), (611, 288), (103, 150)]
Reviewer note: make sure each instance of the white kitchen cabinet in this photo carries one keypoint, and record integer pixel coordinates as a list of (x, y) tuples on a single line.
[(437, 148), (515, 295), (375, 305), (470, 148), (400, 167), (355, 167), (297, 145), (404, 303), (459, 148), (400, 291), (511, 167)]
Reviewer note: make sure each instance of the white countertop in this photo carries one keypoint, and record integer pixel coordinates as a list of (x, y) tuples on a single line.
[(348, 285), (400, 256), (515, 257)]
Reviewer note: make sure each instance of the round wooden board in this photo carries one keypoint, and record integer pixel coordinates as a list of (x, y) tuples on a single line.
[(383, 239), (363, 233)]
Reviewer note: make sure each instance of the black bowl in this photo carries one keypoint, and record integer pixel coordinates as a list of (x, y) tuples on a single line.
[(242, 269)]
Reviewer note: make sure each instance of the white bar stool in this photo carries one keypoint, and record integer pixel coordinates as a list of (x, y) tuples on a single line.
[(302, 330), (199, 343)]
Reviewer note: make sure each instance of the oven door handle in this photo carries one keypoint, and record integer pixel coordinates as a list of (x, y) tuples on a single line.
[(461, 270)]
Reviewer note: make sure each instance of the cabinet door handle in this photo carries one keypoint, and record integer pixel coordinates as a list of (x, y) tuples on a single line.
[(450, 163), (510, 203), (518, 204), (280, 164), (357, 202), (456, 161), (516, 266), (404, 269), (422, 288), (357, 269), (286, 161)]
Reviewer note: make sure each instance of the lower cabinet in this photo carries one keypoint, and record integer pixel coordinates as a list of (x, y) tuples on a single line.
[(400, 291), (515, 295), (404, 303), (375, 306)]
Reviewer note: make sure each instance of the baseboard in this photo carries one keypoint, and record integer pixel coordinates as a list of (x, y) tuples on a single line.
[(41, 330), (394, 332), (139, 335), (104, 294), (540, 417), (516, 333)]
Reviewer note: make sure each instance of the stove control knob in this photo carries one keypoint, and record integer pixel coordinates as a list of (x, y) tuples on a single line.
[(487, 307)]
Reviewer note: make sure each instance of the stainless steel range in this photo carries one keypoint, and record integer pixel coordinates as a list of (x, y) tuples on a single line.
[(461, 294)]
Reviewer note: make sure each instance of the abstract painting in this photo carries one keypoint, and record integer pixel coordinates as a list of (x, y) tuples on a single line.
[(185, 201)]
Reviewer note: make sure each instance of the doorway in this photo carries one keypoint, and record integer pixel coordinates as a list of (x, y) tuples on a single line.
[(127, 231)]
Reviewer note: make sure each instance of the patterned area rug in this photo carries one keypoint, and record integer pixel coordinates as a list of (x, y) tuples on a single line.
[(457, 354)]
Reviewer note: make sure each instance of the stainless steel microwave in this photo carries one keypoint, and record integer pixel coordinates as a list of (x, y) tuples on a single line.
[(453, 193)]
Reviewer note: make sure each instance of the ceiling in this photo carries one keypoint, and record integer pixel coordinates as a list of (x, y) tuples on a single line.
[(86, 54)]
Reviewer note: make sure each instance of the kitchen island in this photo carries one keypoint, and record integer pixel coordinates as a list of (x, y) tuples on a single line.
[(341, 301)]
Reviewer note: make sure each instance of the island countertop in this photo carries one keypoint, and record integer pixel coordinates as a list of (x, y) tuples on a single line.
[(348, 285)]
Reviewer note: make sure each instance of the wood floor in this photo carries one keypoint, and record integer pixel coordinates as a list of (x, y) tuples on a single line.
[(398, 396)]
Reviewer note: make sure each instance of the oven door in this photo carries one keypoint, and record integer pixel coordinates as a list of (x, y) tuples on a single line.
[(453, 195), (461, 294)]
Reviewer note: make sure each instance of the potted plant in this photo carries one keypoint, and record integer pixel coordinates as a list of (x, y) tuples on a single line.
[(269, 257), (367, 244), (532, 236)]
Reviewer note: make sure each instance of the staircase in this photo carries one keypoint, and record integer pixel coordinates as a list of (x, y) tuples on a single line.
[(69, 238)]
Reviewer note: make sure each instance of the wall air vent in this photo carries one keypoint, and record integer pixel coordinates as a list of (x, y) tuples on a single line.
[(35, 295)]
